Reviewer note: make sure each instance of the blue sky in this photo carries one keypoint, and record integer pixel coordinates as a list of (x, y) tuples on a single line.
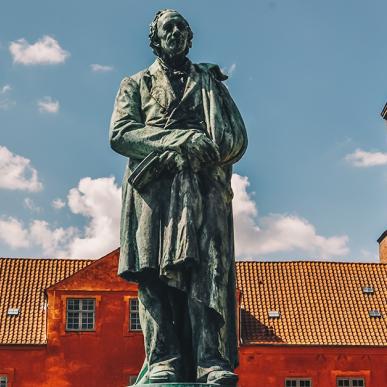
[(309, 78)]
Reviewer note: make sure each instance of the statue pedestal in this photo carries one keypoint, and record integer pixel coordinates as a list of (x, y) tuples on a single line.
[(180, 385)]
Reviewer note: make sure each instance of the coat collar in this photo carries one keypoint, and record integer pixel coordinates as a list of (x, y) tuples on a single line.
[(161, 89)]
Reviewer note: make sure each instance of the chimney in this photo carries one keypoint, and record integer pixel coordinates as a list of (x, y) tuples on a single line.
[(383, 247), (384, 112)]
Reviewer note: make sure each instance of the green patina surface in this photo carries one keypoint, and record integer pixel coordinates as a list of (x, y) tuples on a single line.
[(181, 133), (180, 385)]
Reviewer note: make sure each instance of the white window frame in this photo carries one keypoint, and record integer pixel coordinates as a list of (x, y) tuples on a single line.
[(298, 381), (3, 381), (351, 379), (134, 315), (81, 313)]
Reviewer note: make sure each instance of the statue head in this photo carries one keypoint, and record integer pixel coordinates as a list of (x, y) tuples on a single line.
[(170, 34)]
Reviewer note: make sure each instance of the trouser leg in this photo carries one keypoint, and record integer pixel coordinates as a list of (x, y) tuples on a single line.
[(161, 342), (205, 338)]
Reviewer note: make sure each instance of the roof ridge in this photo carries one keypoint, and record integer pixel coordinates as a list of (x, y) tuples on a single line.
[(310, 261), (48, 259)]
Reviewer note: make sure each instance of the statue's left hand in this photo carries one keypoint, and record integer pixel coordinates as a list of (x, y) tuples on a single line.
[(201, 151)]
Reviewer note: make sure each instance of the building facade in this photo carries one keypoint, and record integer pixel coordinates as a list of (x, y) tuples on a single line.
[(74, 323)]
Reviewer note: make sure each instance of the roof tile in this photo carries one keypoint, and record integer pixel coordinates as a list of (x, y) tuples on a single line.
[(321, 303), (22, 284)]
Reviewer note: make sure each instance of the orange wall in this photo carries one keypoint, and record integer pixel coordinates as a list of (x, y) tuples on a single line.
[(270, 365), (86, 361), (80, 359)]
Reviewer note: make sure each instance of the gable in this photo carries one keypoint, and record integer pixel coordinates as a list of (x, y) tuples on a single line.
[(101, 275)]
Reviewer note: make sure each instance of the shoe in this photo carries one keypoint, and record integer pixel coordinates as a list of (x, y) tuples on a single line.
[(162, 376), (222, 377)]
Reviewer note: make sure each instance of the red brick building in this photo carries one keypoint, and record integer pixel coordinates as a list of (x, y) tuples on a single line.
[(75, 323)]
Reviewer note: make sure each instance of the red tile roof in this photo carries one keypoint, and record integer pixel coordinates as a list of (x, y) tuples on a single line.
[(320, 303), (22, 284)]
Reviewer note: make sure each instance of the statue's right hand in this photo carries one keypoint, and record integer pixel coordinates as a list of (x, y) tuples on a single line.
[(173, 161)]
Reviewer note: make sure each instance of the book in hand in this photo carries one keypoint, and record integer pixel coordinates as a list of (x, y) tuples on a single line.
[(148, 170)]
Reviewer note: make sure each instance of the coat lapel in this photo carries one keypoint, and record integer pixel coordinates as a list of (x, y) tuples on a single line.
[(161, 89), (191, 85)]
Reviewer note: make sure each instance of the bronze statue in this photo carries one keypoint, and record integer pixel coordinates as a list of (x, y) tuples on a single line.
[(181, 132)]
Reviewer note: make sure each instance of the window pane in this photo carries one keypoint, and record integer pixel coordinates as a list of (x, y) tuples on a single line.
[(72, 304), (350, 382), (88, 304), (3, 381), (298, 382), (80, 314), (134, 316), (87, 320)]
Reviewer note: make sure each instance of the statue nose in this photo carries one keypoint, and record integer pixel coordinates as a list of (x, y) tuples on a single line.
[(175, 31)]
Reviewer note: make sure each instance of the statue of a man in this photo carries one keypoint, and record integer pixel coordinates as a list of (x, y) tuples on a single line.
[(181, 132)]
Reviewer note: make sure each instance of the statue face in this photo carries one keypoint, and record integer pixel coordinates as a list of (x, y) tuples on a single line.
[(172, 32)]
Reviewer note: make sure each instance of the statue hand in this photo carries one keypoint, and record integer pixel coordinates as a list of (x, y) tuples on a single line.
[(173, 161), (201, 148)]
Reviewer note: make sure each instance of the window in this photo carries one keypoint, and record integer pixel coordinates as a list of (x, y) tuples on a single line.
[(3, 381), (134, 316), (80, 314), (296, 382), (350, 382)]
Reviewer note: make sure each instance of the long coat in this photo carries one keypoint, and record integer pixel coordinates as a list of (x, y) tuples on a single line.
[(182, 222)]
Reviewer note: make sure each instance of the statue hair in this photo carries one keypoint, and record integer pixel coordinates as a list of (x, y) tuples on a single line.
[(154, 40)]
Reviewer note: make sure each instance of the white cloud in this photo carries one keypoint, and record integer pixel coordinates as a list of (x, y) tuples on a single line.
[(5, 89), (30, 204), (16, 172), (6, 104), (97, 68), (52, 241), (361, 158), (45, 51), (100, 201), (231, 69), (58, 203), (13, 233), (257, 237), (48, 105)]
